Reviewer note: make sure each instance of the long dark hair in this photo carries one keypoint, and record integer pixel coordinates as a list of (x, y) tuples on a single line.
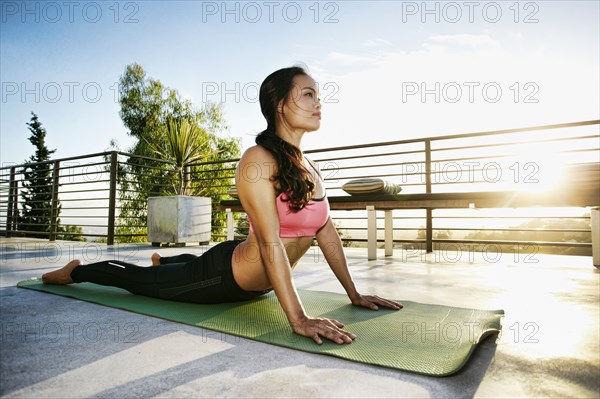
[(291, 175)]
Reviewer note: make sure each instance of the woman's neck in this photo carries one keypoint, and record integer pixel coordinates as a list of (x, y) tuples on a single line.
[(292, 137)]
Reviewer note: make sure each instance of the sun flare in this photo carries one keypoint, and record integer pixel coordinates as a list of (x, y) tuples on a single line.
[(537, 167)]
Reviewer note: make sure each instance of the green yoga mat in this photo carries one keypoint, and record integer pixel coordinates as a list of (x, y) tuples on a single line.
[(427, 339)]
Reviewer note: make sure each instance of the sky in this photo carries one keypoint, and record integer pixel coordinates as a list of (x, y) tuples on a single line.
[(387, 70)]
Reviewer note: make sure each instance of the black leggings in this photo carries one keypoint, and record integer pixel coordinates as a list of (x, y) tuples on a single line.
[(207, 278)]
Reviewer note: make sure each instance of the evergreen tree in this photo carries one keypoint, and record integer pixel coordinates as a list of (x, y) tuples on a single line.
[(36, 212)]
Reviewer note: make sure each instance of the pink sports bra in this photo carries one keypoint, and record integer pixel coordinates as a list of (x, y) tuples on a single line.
[(304, 223)]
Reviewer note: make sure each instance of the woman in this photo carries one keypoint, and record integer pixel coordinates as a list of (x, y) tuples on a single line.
[(283, 194)]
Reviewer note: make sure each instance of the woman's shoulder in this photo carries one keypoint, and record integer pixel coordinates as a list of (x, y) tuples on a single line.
[(257, 153), (257, 161)]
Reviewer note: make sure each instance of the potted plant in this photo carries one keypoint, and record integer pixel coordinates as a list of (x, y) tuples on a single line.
[(182, 217)]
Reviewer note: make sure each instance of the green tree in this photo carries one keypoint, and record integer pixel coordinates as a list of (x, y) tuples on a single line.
[(146, 106), (437, 234), (36, 212), (70, 233)]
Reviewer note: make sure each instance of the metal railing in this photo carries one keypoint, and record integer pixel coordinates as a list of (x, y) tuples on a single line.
[(103, 196), (529, 159)]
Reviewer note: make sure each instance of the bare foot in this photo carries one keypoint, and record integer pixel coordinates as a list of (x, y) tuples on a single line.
[(155, 259), (61, 276)]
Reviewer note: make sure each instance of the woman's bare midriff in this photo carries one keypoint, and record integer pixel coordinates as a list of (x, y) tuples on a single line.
[(248, 269)]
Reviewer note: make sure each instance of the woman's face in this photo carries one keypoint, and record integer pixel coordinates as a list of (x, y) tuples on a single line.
[(302, 110)]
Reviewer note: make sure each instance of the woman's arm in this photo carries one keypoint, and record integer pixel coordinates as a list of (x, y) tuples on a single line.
[(257, 195), (331, 245)]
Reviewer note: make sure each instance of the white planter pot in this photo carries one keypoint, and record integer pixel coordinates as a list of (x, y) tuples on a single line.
[(179, 219)]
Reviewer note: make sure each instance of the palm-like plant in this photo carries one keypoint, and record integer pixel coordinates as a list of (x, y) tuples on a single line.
[(185, 143)]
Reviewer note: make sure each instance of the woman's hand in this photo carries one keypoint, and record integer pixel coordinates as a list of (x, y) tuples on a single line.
[(315, 328), (371, 302)]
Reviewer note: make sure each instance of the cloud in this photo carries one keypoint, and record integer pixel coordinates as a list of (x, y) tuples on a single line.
[(377, 43), (476, 42), (454, 93)]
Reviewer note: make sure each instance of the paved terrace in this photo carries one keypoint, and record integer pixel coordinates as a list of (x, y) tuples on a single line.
[(57, 347)]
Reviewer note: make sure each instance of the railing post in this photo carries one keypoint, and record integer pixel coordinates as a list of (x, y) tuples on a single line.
[(595, 219), (54, 204), (112, 199), (429, 231), (11, 214), (429, 214), (230, 231), (428, 166)]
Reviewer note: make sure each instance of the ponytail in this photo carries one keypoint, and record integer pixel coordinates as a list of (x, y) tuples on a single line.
[(291, 175)]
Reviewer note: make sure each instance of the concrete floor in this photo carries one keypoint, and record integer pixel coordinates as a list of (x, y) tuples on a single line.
[(58, 347)]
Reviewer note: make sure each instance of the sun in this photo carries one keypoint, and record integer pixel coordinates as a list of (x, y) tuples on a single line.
[(537, 167)]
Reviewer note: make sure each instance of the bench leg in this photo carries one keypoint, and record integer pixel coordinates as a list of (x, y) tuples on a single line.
[(229, 224), (596, 236), (389, 233), (371, 233)]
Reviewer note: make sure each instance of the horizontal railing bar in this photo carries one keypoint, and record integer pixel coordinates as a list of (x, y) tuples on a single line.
[(218, 170), (61, 160), (378, 217), (84, 182), (31, 232), (471, 229), (216, 162), (510, 242), (581, 150), (456, 136), (25, 223), (366, 228), (62, 178), (154, 184), (368, 166), (501, 156), (125, 180), (22, 187), (83, 217), (378, 175), (212, 178), (83, 199), (85, 225), (508, 217), (370, 156), (84, 207), (82, 165), (37, 202), (515, 143), (485, 242), (513, 229), (381, 240), (138, 191), (142, 157), (134, 165), (83, 191)]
